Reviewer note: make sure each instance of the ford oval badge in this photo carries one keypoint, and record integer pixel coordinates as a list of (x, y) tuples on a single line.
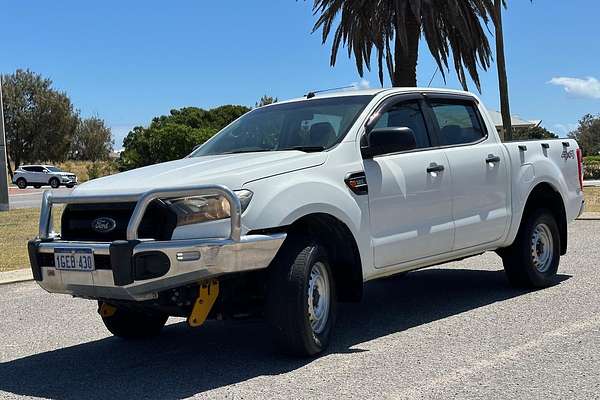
[(104, 225)]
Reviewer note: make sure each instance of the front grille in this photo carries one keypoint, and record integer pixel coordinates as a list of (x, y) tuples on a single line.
[(77, 222)]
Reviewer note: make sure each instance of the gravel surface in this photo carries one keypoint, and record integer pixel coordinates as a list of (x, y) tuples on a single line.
[(454, 331)]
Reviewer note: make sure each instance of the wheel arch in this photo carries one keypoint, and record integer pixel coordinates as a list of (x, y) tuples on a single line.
[(342, 250), (545, 195)]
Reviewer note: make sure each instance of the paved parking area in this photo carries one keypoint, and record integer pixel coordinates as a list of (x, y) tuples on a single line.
[(454, 331)]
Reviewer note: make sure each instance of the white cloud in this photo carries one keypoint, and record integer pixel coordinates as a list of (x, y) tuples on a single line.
[(564, 129), (363, 84), (119, 131), (588, 87)]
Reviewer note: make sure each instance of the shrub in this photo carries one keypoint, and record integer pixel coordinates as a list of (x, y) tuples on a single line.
[(93, 171), (591, 159), (591, 170)]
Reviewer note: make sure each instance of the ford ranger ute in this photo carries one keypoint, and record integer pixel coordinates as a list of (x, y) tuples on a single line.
[(295, 205)]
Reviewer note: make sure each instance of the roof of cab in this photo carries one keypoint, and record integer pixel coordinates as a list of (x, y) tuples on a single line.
[(374, 92)]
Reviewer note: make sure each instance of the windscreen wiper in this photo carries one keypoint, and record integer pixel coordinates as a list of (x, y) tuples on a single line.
[(252, 150), (306, 149)]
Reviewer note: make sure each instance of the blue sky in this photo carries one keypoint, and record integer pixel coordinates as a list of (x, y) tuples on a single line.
[(128, 61)]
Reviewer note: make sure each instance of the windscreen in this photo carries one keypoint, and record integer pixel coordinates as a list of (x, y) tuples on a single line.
[(310, 125)]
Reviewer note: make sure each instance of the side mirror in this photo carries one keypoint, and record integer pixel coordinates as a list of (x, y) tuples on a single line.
[(388, 140)]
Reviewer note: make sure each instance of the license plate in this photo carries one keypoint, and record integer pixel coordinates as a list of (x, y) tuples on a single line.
[(74, 259)]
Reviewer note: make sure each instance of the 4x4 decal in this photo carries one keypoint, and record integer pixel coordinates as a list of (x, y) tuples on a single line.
[(568, 154)]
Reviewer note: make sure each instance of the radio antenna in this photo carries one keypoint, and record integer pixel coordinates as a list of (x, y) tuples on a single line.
[(312, 94), (434, 74)]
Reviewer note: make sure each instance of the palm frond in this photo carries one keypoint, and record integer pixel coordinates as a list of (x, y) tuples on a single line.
[(456, 29)]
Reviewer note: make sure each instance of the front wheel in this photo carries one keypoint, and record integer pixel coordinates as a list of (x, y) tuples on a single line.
[(532, 260), (54, 183), (301, 301), (133, 324)]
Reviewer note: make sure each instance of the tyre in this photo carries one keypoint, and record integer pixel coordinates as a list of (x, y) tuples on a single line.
[(134, 324), (21, 183), (532, 260), (54, 183), (301, 301)]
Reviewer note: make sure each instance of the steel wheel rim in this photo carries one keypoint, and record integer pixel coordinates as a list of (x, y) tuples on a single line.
[(319, 297), (542, 247)]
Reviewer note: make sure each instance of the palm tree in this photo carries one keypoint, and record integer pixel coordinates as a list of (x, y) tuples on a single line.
[(393, 28)]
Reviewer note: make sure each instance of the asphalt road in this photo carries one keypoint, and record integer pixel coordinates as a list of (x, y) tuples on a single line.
[(30, 197), (454, 331)]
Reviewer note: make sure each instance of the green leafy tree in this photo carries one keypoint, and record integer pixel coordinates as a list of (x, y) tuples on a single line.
[(39, 120), (393, 29), (266, 100), (536, 132), (92, 140), (173, 136), (587, 134)]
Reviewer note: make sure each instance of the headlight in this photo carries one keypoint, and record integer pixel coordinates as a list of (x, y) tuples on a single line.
[(194, 210)]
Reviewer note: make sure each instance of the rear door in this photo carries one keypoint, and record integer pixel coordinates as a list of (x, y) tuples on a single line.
[(409, 192), (480, 205)]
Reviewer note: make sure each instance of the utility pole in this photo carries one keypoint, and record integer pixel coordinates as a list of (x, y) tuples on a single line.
[(502, 79), (4, 206)]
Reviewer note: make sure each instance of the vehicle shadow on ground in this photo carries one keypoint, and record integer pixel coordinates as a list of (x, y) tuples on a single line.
[(183, 362)]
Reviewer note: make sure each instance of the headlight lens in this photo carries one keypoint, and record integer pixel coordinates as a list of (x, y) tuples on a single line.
[(198, 209)]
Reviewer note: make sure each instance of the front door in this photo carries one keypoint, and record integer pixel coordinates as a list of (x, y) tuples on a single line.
[(409, 193)]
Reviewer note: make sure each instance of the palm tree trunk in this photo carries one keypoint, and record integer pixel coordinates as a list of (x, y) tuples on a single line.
[(10, 171), (405, 58), (502, 77)]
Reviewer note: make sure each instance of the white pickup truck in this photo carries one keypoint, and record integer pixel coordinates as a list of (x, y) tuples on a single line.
[(295, 205)]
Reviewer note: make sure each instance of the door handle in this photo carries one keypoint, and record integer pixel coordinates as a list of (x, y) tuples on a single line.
[(492, 159), (433, 167)]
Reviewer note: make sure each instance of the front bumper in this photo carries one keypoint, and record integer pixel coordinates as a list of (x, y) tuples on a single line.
[(125, 272), (68, 180)]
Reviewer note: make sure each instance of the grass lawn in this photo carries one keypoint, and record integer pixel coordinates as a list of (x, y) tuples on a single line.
[(592, 199), (16, 228)]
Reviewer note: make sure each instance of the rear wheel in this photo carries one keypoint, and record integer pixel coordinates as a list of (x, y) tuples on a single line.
[(301, 301), (21, 183), (532, 260), (54, 183), (134, 324)]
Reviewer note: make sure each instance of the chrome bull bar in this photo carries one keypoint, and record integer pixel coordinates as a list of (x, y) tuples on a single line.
[(48, 200), (189, 260)]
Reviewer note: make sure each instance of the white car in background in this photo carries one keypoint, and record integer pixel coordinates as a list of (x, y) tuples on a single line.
[(41, 175)]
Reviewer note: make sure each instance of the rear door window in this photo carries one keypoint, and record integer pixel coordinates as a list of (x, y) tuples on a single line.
[(459, 123)]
